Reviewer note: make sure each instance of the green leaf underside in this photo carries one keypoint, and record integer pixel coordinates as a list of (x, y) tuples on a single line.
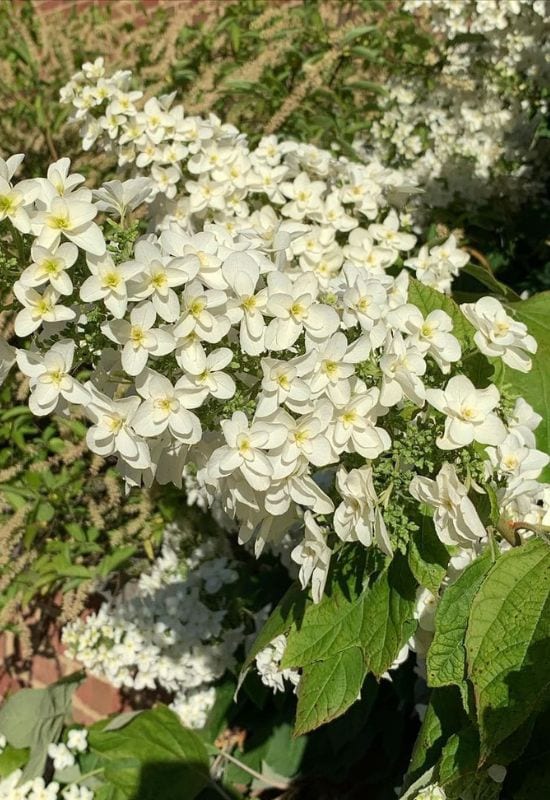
[(446, 662), (508, 642), (428, 557), (328, 688)]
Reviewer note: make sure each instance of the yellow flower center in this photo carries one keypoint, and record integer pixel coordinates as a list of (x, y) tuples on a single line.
[(111, 280), (330, 368), (61, 222), (283, 382), (297, 309), (159, 280), (137, 335), (249, 303), (7, 204), (197, 307)]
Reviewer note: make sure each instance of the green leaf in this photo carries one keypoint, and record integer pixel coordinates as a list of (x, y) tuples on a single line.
[(428, 300), (328, 688), (388, 615), (529, 777), (534, 386), (444, 717), (446, 662), (152, 756), (12, 759), (508, 642), (457, 766), (33, 718), (428, 556)]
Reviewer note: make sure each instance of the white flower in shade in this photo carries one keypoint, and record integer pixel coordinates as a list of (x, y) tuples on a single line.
[(138, 338), (75, 792), (108, 283), (7, 359), (200, 254), (432, 792), (514, 459), (112, 432), (50, 377), (469, 413), (365, 302), (354, 429), (246, 306), (207, 378), (402, 364), (61, 756), (39, 308), (156, 278), (425, 608), (77, 740), (358, 517), (73, 219), (498, 334), (164, 408), (431, 335), (390, 236), (50, 266), (15, 201), (313, 557), (244, 450), (203, 313), (295, 308), (455, 517), (267, 665), (123, 196), (523, 421)]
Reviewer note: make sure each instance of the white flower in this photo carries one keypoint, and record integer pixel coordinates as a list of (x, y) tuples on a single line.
[(389, 234), (123, 196), (39, 308), (206, 377), (156, 278), (304, 194), (77, 740), (111, 431), (282, 384), (431, 335), (73, 219), (242, 273), (402, 365), (358, 517), (500, 335), (51, 265), (469, 413), (353, 428), (15, 201), (138, 338), (164, 407), (61, 756), (455, 517), (313, 556), (202, 313), (244, 450), (108, 283), (294, 307), (50, 377), (513, 458)]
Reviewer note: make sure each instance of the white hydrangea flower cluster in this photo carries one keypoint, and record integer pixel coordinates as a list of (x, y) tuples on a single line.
[(169, 633), (471, 131), (62, 756), (269, 345)]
